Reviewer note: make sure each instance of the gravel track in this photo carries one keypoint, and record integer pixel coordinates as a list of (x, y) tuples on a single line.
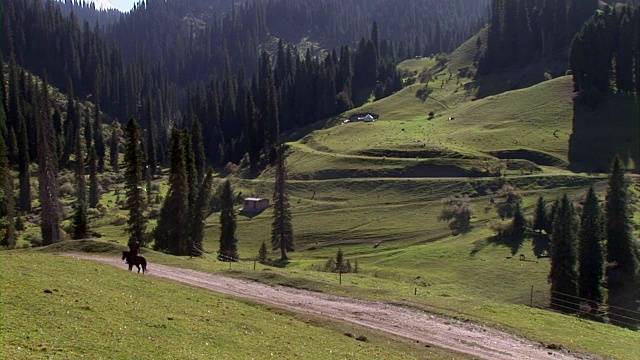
[(465, 337)]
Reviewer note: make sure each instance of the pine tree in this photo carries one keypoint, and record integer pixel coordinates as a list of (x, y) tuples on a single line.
[(79, 221), (7, 202), (98, 136), (57, 126), (622, 261), (14, 113), (551, 216), (88, 130), (340, 265), (81, 182), (282, 229), (540, 215), (94, 188), (519, 222), (591, 255), (563, 275), (133, 160), (151, 140), (48, 172), (71, 125), (172, 233), (228, 242), (114, 152), (198, 149), (23, 166), (201, 210), (262, 254)]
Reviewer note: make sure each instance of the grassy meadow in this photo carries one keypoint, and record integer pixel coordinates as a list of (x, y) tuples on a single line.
[(58, 307)]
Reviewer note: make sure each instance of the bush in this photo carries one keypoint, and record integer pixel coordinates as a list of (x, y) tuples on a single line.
[(93, 212), (34, 239), (102, 209), (119, 220), (330, 265), (458, 212), (67, 189), (500, 227), (229, 169), (509, 198)]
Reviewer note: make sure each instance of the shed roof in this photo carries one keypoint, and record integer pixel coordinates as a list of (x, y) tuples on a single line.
[(253, 199)]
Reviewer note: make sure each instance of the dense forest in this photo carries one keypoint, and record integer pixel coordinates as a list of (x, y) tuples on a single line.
[(86, 11), (166, 61), (526, 31), (605, 53)]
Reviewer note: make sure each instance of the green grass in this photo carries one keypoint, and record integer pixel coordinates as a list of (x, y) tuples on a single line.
[(417, 65), (97, 311)]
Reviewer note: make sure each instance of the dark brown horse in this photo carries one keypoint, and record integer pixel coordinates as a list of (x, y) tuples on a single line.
[(137, 260)]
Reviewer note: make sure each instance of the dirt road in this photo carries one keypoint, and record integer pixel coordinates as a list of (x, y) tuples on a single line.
[(477, 340)]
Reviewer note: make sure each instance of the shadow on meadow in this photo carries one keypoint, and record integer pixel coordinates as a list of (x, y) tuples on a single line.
[(541, 244)]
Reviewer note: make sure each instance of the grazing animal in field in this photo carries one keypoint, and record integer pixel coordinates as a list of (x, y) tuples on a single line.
[(137, 260)]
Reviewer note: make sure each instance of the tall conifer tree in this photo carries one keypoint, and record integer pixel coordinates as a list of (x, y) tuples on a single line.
[(591, 255), (540, 215), (7, 202), (133, 160), (23, 166), (172, 233), (94, 188), (151, 140), (201, 210), (114, 152), (198, 149), (563, 275), (98, 135), (622, 261), (282, 228), (71, 125), (48, 172), (228, 242)]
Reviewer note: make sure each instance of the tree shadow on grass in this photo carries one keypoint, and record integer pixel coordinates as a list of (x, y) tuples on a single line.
[(513, 242), (280, 263), (541, 245)]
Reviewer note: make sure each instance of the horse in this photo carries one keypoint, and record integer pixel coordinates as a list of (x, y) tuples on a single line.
[(136, 260)]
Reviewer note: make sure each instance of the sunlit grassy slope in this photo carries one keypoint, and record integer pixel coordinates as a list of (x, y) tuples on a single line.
[(57, 307)]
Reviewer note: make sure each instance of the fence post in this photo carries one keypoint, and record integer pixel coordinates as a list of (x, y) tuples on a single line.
[(340, 272), (254, 265), (531, 298)]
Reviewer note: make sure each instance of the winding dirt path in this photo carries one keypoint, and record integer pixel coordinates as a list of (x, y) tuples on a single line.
[(473, 339)]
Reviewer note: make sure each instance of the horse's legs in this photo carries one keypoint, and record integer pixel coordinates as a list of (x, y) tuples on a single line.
[(130, 266), (138, 266)]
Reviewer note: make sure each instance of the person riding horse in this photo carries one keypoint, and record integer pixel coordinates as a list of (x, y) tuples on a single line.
[(134, 250)]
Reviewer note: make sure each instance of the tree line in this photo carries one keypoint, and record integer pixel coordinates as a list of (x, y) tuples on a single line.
[(523, 31), (594, 250), (605, 53)]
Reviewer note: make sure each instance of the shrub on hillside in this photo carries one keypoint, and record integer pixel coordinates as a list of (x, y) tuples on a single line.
[(119, 220), (67, 189), (34, 239), (339, 264), (506, 200), (458, 212)]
